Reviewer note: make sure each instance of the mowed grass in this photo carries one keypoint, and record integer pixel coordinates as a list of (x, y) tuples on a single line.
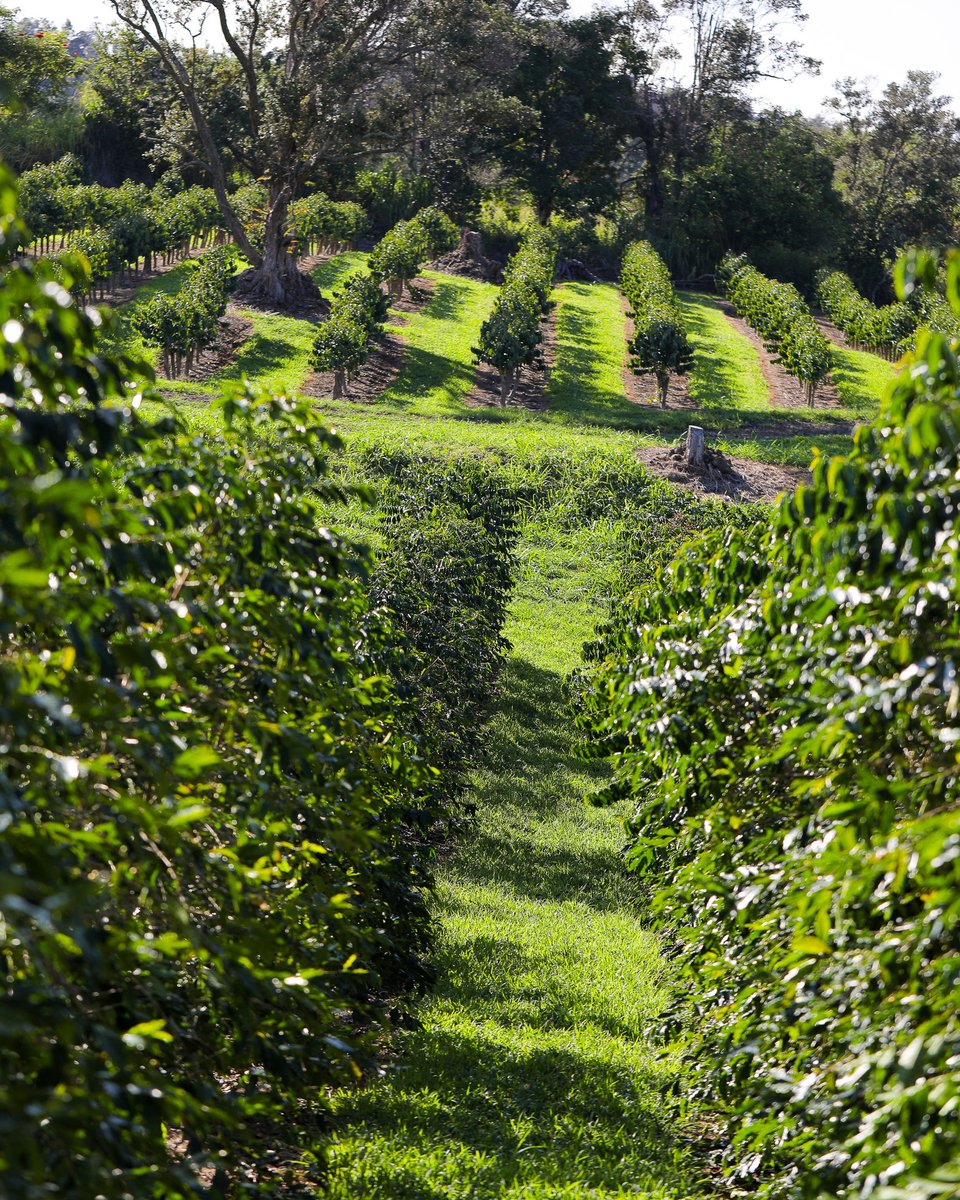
[(862, 379), (532, 1074), (726, 371)]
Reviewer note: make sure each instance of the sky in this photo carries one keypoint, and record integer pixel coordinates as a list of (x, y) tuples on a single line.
[(879, 39)]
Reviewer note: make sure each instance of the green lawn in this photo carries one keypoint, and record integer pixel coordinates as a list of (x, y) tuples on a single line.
[(726, 372), (532, 1074), (861, 379)]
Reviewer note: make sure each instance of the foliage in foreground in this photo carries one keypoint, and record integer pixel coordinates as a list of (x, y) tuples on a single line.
[(782, 704), (218, 795), (659, 345)]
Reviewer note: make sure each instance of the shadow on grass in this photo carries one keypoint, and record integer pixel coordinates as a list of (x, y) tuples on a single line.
[(717, 377), (447, 300), (259, 355), (856, 384), (424, 372)]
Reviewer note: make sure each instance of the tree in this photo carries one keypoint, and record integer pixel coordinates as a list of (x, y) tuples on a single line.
[(39, 122), (578, 112), (307, 76), (898, 165), (683, 97)]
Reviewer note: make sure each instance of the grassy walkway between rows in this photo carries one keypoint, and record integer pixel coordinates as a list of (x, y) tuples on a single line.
[(532, 1075)]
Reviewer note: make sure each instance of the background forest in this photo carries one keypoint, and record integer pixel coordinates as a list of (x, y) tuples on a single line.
[(633, 121)]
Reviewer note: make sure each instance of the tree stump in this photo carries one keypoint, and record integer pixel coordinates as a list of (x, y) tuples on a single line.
[(695, 445)]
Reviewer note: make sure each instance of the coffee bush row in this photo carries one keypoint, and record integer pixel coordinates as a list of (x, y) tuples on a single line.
[(659, 345), (222, 782), (781, 705), (511, 337), (887, 330), (779, 314), (184, 324)]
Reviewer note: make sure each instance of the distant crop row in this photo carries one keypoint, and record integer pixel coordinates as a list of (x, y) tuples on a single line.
[(779, 314), (887, 330), (358, 313), (659, 345), (511, 337), (184, 324)]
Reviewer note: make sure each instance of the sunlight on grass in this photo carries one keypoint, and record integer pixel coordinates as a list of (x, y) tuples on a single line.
[(532, 1075), (862, 379), (726, 371)]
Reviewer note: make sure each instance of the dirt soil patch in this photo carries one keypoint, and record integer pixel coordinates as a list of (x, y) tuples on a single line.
[(830, 331), (530, 391), (642, 389), (375, 376), (784, 390), (413, 297), (234, 331), (736, 479)]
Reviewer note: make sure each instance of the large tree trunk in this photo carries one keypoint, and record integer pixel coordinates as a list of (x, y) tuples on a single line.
[(275, 280)]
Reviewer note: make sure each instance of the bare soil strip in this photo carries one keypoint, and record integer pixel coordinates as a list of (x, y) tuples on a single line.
[(642, 389), (785, 391), (530, 391)]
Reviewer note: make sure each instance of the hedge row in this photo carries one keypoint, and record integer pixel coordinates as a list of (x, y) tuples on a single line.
[(781, 705), (659, 345), (888, 330), (220, 788), (778, 312), (402, 251), (511, 338), (346, 337), (186, 323), (131, 223)]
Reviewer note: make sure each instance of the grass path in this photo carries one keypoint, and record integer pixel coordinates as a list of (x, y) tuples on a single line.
[(726, 371), (531, 1075), (861, 379)]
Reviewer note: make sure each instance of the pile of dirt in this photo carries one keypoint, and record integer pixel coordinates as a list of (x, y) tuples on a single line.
[(727, 477), (469, 260)]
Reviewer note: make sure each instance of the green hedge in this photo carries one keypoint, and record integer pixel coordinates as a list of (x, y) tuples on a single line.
[(659, 345), (888, 330), (511, 338), (781, 703), (221, 785), (778, 313)]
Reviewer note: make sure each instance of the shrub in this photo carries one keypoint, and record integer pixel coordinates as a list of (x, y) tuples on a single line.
[(439, 231), (399, 255), (781, 704), (510, 338), (213, 792), (887, 330), (778, 313), (659, 345)]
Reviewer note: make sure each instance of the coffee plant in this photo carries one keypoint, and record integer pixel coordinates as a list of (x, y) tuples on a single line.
[(778, 313), (659, 345), (345, 338), (887, 330), (511, 338), (216, 776), (185, 324), (781, 704)]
